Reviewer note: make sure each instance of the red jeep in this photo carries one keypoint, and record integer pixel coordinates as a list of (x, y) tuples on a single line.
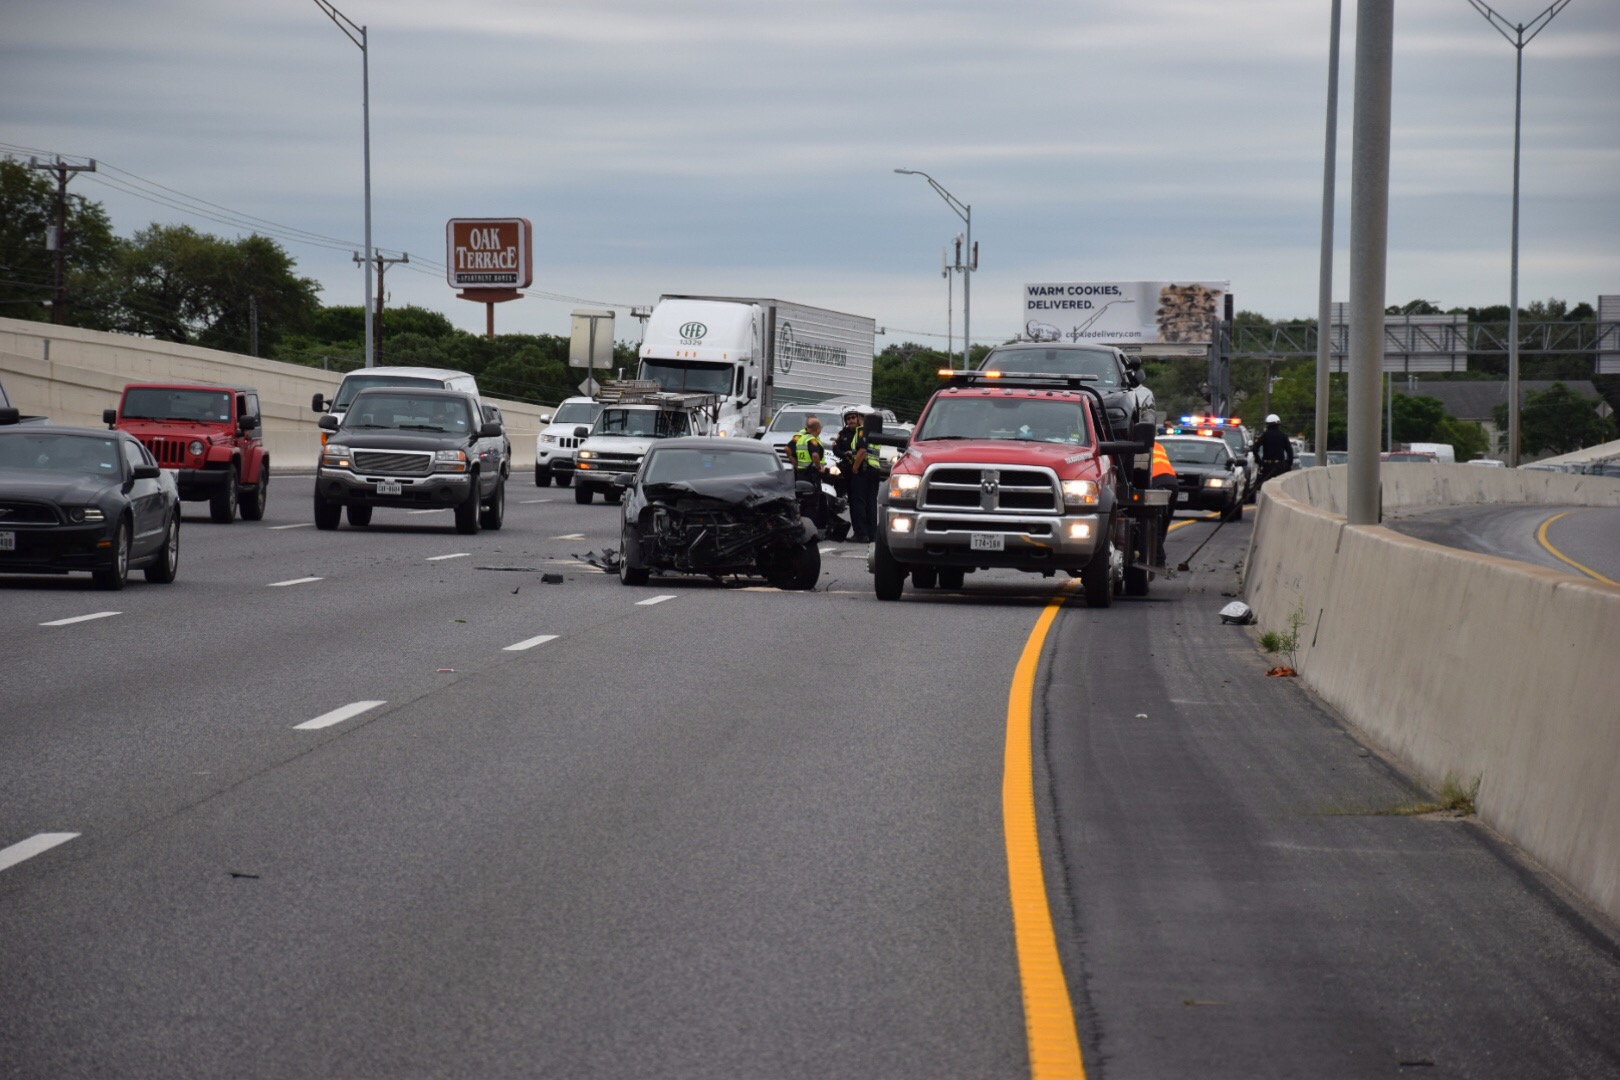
[(210, 436), (1017, 472)]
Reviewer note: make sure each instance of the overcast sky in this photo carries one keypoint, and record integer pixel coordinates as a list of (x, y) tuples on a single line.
[(749, 147)]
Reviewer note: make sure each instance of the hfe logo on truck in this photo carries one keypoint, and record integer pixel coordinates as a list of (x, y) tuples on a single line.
[(692, 333), (486, 253)]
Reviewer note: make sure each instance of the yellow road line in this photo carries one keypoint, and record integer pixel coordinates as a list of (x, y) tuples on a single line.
[(1054, 1044), (1541, 535)]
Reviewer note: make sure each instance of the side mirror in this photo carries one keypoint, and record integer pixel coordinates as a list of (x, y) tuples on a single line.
[(490, 430), (109, 417), (317, 403), (872, 423), (249, 422), (582, 432), (1133, 363), (759, 433), (545, 418), (804, 487), (624, 480), (327, 422), (1133, 378), (9, 415), (147, 472), (899, 440), (753, 387)]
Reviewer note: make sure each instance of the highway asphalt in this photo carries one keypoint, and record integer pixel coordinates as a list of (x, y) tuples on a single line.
[(1579, 540), (733, 832)]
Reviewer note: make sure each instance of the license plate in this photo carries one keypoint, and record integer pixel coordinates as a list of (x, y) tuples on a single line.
[(8, 541), (988, 542), (390, 487)]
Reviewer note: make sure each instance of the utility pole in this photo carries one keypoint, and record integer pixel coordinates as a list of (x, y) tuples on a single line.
[(374, 329), (57, 241), (253, 323), (1518, 39)]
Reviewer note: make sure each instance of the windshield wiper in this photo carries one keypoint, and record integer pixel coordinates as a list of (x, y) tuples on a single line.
[(942, 438), (422, 427)]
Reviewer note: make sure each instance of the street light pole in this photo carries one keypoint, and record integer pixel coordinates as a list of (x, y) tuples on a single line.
[(964, 212), (1520, 36), (357, 34), (1324, 297)]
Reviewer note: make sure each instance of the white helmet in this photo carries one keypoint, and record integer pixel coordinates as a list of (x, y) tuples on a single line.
[(1273, 418)]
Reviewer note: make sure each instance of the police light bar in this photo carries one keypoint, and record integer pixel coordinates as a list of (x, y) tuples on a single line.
[(1212, 421), (1024, 379)]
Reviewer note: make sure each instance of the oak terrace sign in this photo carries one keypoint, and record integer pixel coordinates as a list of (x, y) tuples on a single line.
[(489, 253)]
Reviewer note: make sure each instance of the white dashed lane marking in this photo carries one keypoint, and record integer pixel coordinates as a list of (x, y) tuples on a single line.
[(441, 558), (337, 716), (435, 510), (81, 618), (651, 600), (529, 643), (568, 536), (293, 581), (531, 502), (32, 846), (300, 525)]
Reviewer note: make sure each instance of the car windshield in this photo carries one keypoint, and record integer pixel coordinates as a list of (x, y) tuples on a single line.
[(56, 452), (1195, 451), (641, 423), (681, 463), (1234, 439), (1057, 361), (688, 376), (353, 384), (577, 412), (793, 419), (156, 403), (1023, 419), (408, 412)]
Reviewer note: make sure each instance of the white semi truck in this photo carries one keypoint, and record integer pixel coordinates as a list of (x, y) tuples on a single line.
[(757, 355)]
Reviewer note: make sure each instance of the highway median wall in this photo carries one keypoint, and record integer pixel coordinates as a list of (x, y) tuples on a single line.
[(71, 375), (1461, 665)]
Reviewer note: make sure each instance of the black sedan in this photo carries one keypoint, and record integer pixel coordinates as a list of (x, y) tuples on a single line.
[(1208, 475), (83, 499), (718, 508)]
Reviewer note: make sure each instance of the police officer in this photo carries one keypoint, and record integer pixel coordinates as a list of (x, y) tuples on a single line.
[(807, 454), (858, 460), (1274, 450)]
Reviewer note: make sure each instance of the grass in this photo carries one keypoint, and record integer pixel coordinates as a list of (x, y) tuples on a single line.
[(1285, 641), (1454, 798)]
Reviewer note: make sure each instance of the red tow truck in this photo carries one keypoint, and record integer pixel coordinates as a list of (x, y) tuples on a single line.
[(209, 436), (1017, 472)]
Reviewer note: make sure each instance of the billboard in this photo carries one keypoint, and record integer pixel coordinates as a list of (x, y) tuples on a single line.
[(489, 253), (1411, 342), (1608, 339), (1124, 312)]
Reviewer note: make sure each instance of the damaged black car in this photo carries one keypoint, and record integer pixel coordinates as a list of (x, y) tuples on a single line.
[(716, 508)]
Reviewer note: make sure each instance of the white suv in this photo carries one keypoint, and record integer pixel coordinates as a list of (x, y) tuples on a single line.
[(555, 445)]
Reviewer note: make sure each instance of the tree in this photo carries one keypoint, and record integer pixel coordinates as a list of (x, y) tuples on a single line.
[(28, 270), (1558, 420)]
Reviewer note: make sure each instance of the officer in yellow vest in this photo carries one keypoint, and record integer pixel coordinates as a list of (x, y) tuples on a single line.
[(858, 459), (806, 453)]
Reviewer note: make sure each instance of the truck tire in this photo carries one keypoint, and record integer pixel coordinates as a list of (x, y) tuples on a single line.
[(888, 577), (582, 495), (467, 511), (1098, 577), (327, 514), (951, 577), (252, 503), (495, 513), (222, 504), (924, 577), (562, 479), (613, 496), (359, 516), (542, 477)]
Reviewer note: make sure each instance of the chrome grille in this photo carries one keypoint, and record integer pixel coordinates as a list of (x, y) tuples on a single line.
[(26, 513), (990, 489), (393, 463), (988, 525)]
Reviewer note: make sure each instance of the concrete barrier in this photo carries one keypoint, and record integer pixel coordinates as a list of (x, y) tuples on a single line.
[(71, 375), (1461, 664)]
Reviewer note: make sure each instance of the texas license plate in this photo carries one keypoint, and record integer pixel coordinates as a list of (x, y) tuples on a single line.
[(8, 541), (390, 487), (988, 542)]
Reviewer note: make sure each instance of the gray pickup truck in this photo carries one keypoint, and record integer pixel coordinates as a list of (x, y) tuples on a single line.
[(412, 448)]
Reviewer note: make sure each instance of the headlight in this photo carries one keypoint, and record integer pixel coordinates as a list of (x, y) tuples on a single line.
[(548, 438), (450, 460), (196, 447), (334, 456), (586, 453), (1080, 492), (903, 486), (81, 514), (1214, 481)]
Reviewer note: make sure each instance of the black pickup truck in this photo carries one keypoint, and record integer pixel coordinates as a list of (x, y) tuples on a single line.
[(413, 448)]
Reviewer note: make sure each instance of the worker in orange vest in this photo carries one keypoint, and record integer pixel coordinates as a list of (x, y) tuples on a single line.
[(1164, 476)]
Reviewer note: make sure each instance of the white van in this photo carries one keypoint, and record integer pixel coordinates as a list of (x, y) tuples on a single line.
[(364, 378)]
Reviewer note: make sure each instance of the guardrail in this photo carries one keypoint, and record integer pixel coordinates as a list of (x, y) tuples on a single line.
[(1461, 664)]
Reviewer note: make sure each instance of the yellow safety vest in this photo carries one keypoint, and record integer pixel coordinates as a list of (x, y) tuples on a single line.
[(802, 458)]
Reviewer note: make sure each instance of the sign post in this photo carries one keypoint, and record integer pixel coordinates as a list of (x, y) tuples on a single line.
[(590, 341), (489, 259)]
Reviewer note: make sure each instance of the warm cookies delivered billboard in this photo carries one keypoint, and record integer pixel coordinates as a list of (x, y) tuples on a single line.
[(489, 253), (1124, 312)]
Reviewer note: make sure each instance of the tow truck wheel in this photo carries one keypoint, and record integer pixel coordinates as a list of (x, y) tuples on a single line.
[(582, 495), (888, 579), (951, 577), (1098, 578), (924, 577)]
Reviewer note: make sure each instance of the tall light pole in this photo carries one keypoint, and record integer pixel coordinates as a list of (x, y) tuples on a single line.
[(1518, 36), (357, 34), (1324, 295), (964, 212)]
